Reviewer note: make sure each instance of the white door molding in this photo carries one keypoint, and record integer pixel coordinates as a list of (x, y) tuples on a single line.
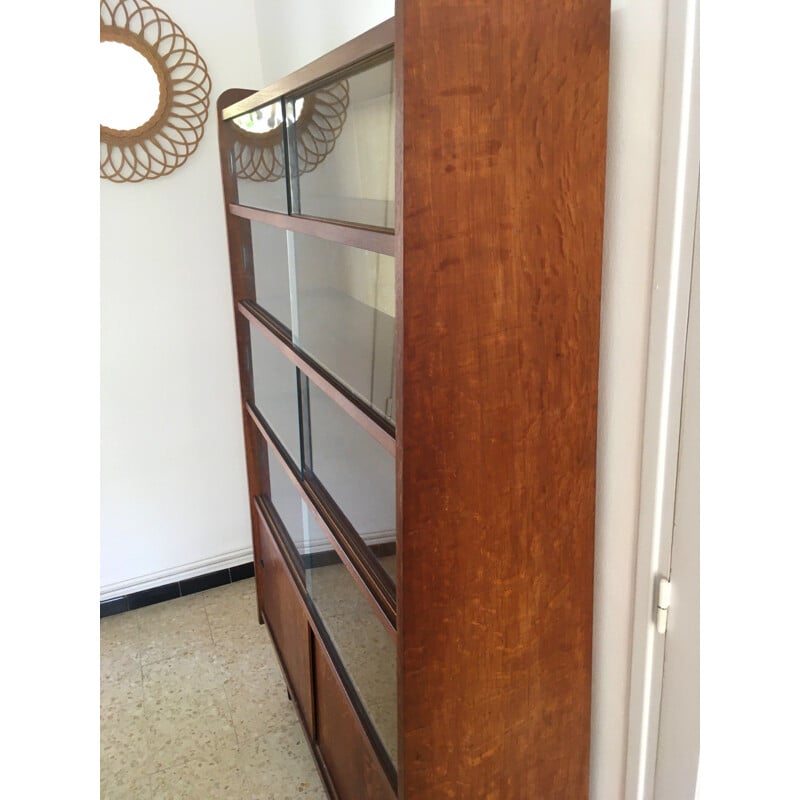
[(679, 173)]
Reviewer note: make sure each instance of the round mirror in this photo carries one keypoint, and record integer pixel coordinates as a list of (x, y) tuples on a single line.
[(154, 92), (129, 87)]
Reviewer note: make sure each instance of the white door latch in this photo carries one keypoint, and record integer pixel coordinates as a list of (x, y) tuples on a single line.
[(662, 605)]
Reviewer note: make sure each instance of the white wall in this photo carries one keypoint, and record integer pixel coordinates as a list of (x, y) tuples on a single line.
[(294, 33), (173, 484), (173, 488)]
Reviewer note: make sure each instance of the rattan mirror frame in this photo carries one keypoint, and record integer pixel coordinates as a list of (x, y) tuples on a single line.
[(165, 141)]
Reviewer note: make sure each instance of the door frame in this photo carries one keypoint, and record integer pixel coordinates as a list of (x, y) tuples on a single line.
[(678, 191)]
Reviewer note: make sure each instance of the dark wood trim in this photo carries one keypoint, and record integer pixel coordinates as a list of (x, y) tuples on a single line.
[(361, 48), (378, 427), (399, 95), (357, 558), (242, 288), (312, 680), (364, 237)]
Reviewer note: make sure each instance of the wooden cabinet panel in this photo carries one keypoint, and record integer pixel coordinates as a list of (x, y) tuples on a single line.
[(285, 615), (501, 228), (349, 756)]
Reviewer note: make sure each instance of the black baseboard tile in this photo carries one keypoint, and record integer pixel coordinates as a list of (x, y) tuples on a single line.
[(171, 591), (326, 558), (149, 597), (200, 583), (115, 606), (243, 572)]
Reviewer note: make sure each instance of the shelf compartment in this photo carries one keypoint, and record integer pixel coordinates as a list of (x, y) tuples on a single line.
[(344, 320), (266, 259), (258, 157), (359, 654), (374, 578), (380, 240), (353, 475), (275, 393), (352, 179), (298, 526), (367, 652), (335, 302), (376, 425)]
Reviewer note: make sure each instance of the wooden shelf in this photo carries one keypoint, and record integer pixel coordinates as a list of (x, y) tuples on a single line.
[(355, 555), (365, 237), (377, 426)]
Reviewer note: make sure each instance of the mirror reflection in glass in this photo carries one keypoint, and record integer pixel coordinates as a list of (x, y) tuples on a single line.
[(355, 181)]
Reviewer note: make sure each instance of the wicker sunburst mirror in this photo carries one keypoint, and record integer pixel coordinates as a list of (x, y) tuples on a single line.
[(162, 142)]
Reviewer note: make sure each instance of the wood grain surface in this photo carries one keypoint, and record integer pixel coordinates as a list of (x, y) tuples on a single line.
[(503, 136), (286, 617)]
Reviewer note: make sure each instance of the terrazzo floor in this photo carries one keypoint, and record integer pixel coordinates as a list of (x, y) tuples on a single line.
[(193, 705)]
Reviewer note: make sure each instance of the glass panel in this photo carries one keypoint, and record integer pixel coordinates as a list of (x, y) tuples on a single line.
[(258, 155), (367, 651), (346, 311), (356, 471), (271, 271), (342, 148), (290, 507), (275, 389)]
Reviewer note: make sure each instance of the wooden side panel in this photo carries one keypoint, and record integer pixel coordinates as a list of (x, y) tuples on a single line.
[(349, 757), (504, 130), (286, 617), (242, 288)]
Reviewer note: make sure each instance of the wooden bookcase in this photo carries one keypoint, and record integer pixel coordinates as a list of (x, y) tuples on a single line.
[(415, 230)]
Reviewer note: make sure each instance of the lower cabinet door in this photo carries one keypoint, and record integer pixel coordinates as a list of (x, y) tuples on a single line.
[(349, 756), (285, 615)]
